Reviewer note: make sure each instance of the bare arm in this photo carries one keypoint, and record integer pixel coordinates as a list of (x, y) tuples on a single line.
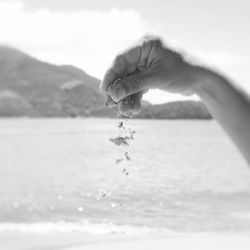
[(228, 104)]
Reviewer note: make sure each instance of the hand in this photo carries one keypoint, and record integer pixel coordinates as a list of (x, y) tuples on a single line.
[(148, 65)]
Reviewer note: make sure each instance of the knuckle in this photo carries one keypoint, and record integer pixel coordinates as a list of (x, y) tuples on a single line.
[(156, 43), (151, 46), (152, 40), (133, 55), (120, 60)]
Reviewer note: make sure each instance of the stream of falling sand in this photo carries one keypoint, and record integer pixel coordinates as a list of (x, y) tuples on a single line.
[(125, 135)]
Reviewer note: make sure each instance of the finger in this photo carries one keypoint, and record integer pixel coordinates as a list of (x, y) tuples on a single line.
[(116, 70), (131, 60), (131, 105), (141, 52), (125, 64), (130, 85)]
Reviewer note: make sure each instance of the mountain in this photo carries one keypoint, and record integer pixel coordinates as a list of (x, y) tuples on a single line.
[(12, 104), (29, 87), (176, 110), (49, 90)]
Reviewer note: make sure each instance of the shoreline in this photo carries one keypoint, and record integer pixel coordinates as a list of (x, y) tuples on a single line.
[(78, 241)]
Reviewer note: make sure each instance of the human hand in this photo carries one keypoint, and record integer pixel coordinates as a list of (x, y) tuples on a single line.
[(149, 65)]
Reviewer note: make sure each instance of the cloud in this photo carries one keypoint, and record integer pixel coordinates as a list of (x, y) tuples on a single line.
[(87, 39)]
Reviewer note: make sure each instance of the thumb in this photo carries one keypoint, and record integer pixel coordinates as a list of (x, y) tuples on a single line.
[(130, 85)]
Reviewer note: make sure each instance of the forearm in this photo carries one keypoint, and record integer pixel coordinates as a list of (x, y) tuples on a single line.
[(229, 105)]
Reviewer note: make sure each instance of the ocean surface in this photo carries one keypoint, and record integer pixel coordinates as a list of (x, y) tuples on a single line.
[(61, 175)]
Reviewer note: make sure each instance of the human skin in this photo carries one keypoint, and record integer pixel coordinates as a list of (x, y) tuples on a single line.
[(151, 65)]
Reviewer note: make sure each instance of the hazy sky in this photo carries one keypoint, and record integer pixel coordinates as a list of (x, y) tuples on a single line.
[(88, 34)]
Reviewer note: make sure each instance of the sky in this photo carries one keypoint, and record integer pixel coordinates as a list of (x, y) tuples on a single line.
[(89, 33)]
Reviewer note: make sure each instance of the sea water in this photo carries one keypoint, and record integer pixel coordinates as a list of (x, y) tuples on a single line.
[(184, 176)]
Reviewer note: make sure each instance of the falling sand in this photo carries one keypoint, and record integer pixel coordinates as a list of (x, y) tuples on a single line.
[(126, 134)]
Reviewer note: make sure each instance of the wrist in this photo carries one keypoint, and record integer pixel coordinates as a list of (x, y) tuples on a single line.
[(206, 82)]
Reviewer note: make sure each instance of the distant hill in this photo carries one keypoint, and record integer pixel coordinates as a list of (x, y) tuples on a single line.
[(176, 110), (29, 87), (50, 90), (12, 104)]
